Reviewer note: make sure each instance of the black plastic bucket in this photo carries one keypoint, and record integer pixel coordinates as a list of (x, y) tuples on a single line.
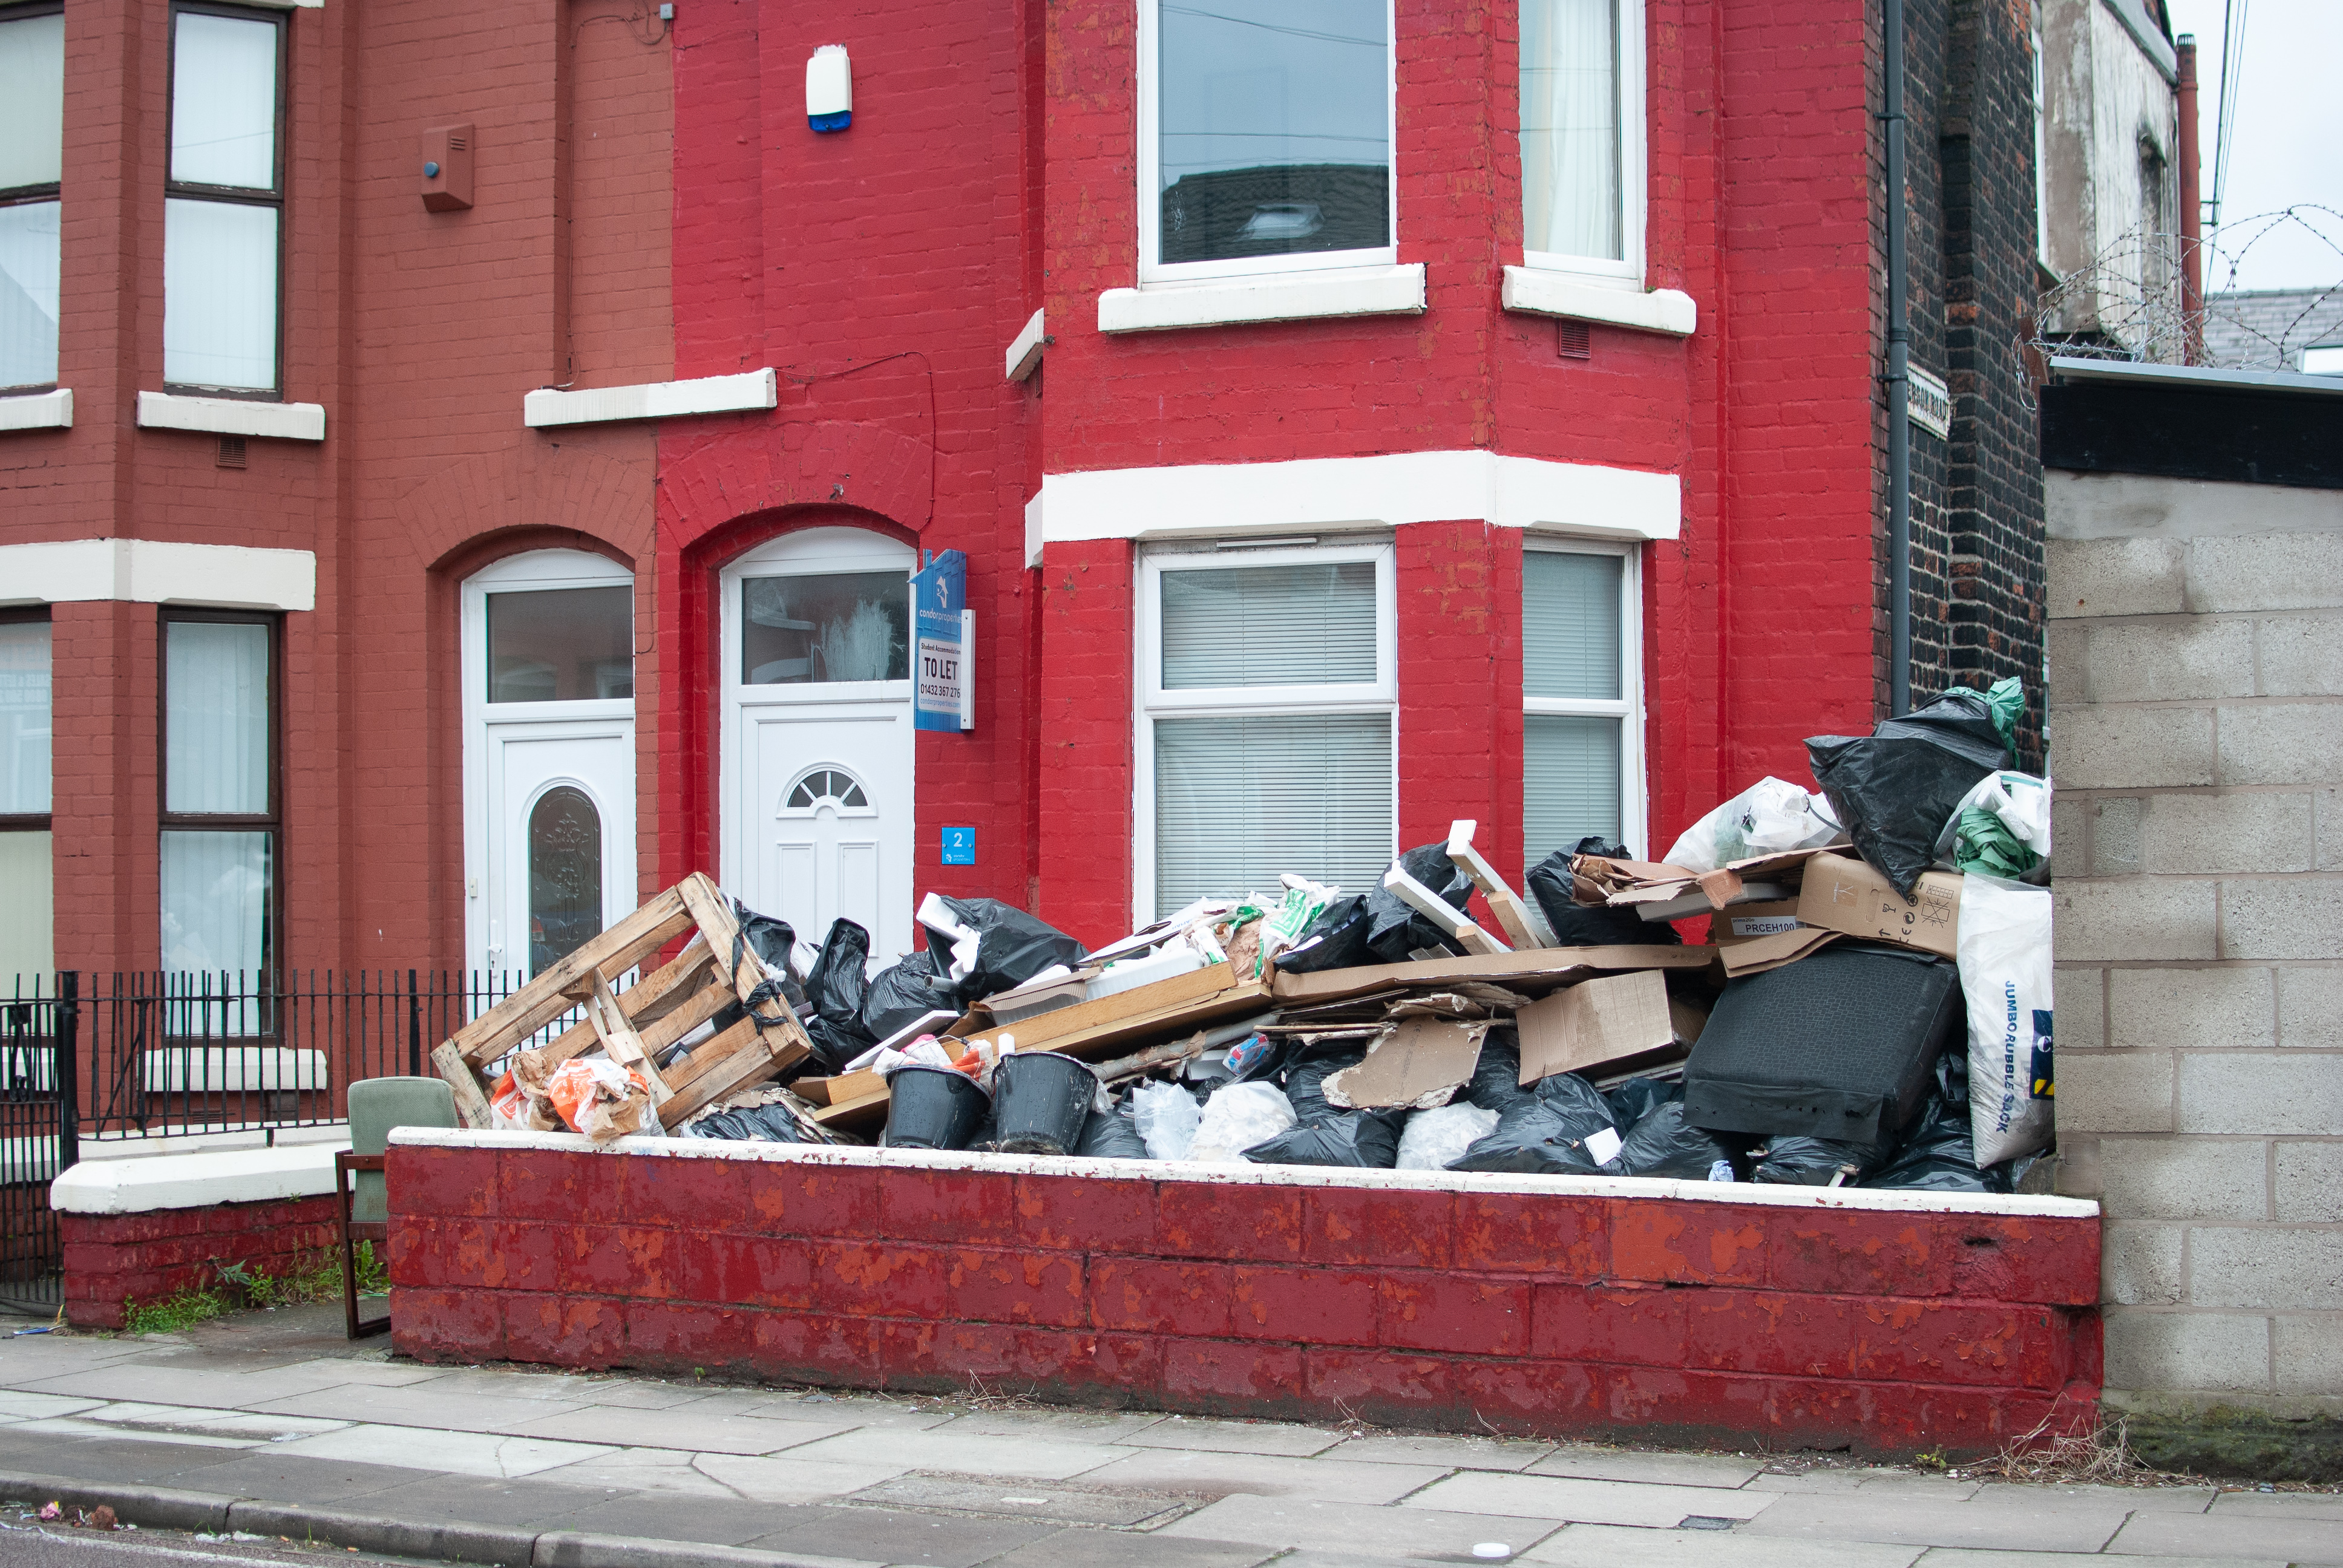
[(933, 1108), (1041, 1100)]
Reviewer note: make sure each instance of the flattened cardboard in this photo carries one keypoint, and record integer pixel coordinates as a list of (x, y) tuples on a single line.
[(1849, 896), (1595, 1024), (1543, 968), (1744, 922), (1759, 954), (1420, 1064)]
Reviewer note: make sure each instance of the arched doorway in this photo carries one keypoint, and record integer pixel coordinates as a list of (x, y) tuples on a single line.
[(816, 805)]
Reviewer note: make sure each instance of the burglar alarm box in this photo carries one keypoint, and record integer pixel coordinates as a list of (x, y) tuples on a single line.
[(447, 168)]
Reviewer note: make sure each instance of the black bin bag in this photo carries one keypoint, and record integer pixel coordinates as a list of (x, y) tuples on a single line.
[(1840, 1045), (1336, 940), (1011, 946), (1496, 1082), (902, 994), (749, 1123), (1546, 1134), (775, 944), (1365, 1138), (1395, 932), (835, 988), (1663, 1143), (1815, 1161), (1937, 1152), (1577, 925), (1112, 1135), (1305, 1080), (1893, 789)]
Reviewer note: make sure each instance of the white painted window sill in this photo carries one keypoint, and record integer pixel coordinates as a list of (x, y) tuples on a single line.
[(1294, 296), (1025, 353), (747, 392), (232, 416), (1537, 292), (37, 410)]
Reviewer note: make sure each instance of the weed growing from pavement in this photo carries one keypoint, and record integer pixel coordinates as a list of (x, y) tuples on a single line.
[(317, 1279)]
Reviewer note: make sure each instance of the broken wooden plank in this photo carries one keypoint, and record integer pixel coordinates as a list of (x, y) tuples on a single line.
[(621, 1043), (471, 1102), (738, 1070), (1034, 1033), (1451, 920), (687, 1004), (1545, 968), (623, 947), (1522, 922), (1108, 1036)]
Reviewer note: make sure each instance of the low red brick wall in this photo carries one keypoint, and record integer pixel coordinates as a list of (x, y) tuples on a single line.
[(1562, 1310), (113, 1261)]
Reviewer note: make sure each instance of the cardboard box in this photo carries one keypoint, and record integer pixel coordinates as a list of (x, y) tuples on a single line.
[(1597, 1023), (1745, 922), (1419, 1064), (1849, 897)]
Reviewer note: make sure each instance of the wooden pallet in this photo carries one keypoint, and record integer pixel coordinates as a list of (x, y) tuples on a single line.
[(634, 1027)]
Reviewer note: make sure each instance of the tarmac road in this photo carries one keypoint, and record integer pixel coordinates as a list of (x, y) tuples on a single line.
[(35, 1545)]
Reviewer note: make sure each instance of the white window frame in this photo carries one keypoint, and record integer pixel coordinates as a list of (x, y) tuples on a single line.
[(1634, 806), (1369, 263), (1380, 696), (1634, 171)]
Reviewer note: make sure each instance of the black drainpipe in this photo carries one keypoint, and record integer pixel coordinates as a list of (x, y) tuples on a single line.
[(1899, 386)]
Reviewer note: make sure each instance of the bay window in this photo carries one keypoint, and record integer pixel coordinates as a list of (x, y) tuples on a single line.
[(1265, 138), (26, 887), (224, 202), (219, 823), (32, 157), (1581, 73), (1582, 727), (1267, 712)]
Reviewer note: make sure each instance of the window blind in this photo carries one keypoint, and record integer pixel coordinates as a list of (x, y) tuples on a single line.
[(1570, 625), (1570, 781), (24, 723), (1241, 799), (216, 731), (1293, 625)]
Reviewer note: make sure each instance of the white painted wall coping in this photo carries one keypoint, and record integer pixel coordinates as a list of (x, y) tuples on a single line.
[(1395, 290), (37, 410), (157, 572), (1025, 352), (1247, 1175), (195, 1180), (1542, 293), (232, 416), (652, 400)]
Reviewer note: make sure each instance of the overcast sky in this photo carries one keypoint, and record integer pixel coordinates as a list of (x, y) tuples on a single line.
[(2288, 136)]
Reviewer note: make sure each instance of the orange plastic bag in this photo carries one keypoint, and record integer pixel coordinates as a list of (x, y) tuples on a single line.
[(600, 1099)]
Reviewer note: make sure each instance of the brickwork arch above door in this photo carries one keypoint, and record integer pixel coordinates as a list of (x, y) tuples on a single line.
[(533, 487), (866, 468)]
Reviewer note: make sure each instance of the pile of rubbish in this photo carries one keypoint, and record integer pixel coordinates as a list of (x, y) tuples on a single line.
[(1871, 1006)]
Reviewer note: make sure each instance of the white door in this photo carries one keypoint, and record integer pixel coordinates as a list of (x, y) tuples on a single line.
[(818, 742), (549, 757)]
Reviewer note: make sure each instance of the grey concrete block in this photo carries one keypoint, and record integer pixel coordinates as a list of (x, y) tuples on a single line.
[(2328, 804), (2114, 576), (2269, 1268), (2281, 743), (2186, 1177), (2191, 834), (2301, 656), (2275, 1094), (2122, 748), (2079, 1004), (2170, 1008), (2168, 658), (2150, 1349), (2265, 571), (2308, 1183), (2133, 920), (2309, 1352), (2282, 917), (2115, 1090), (2077, 1172), (2139, 1265), (2069, 827), (2310, 1008), (2066, 659), (2115, 836)]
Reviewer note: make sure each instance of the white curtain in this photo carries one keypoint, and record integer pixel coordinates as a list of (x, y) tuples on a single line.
[(25, 721), (219, 294), (215, 734), (1569, 128), (215, 901), (224, 102), (27, 942), (32, 100), (1240, 799), (28, 294)]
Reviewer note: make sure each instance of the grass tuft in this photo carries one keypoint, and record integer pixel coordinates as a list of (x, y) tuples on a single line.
[(317, 1278)]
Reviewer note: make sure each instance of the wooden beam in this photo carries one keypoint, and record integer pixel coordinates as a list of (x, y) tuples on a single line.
[(1524, 923), (471, 1104), (623, 947), (742, 1069), (1452, 920), (619, 1040), (708, 907)]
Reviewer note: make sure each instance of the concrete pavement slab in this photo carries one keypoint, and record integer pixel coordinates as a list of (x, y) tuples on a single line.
[(2301, 1541), (714, 1522), (461, 1452), (213, 1389), (1039, 1458), (1653, 1507), (2278, 1505), (1920, 1522), (466, 1500), (1079, 1549), (376, 1374), (81, 1426), (110, 1457), (1062, 1425), (194, 1420), (14, 1406), (1457, 1452), (1959, 1557), (2137, 1499), (834, 1410), (1239, 1437), (275, 1476), (645, 1394), (422, 1406), (686, 1429), (1617, 1546), (1723, 1470), (1049, 1501), (1868, 1483), (1308, 1523), (1216, 1475), (513, 1382), (784, 1480), (660, 1470), (940, 1540)]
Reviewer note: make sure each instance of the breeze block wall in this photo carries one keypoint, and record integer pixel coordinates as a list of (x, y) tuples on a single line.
[(116, 1261), (1415, 1299)]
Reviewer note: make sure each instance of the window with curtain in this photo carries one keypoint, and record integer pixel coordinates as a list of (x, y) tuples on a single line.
[(1582, 175), (219, 794), (27, 947), (1269, 132), (1269, 695), (32, 157), (224, 202), (1579, 732)]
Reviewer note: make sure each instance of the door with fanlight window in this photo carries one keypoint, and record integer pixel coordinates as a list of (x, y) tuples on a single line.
[(549, 757)]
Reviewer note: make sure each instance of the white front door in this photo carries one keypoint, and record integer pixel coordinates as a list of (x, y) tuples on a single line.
[(818, 742), (549, 757)]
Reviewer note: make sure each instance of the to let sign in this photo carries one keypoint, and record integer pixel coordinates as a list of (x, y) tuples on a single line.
[(943, 636)]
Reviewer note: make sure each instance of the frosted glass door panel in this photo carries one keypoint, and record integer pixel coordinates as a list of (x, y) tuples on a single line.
[(224, 102), (28, 294), (217, 728), (219, 295), (831, 627), (32, 100), (1569, 782), (27, 912), (24, 719), (1570, 129), (1241, 799)]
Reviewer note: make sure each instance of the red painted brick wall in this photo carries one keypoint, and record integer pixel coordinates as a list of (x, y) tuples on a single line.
[(113, 1261), (1556, 1313)]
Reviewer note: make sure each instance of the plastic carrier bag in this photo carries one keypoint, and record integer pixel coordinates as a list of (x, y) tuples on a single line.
[(1432, 1138), (600, 1099), (2005, 963), (1771, 817), (1237, 1118), (1166, 1116), (2001, 828)]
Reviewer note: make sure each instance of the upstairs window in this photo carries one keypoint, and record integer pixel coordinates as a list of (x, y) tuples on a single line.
[(1265, 136), (1583, 136), (32, 154), (224, 202)]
